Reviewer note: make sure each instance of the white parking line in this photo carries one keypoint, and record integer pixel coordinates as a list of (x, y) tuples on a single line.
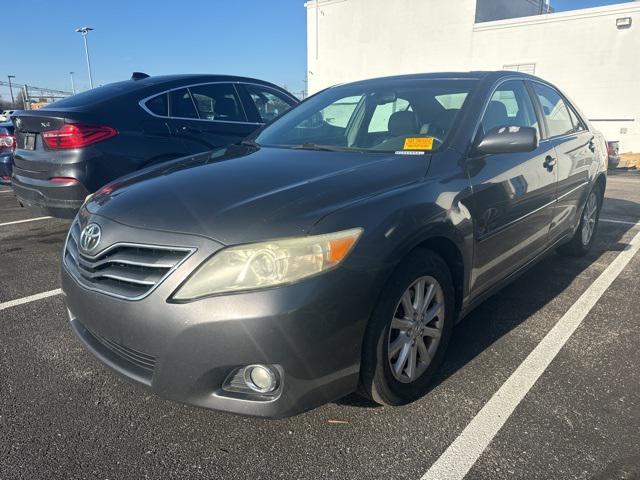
[(24, 221), (30, 298), (623, 222), (460, 456)]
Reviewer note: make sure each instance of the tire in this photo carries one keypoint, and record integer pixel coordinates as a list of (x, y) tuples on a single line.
[(380, 380), (579, 245)]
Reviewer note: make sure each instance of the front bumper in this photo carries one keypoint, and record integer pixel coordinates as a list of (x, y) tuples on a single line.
[(184, 352)]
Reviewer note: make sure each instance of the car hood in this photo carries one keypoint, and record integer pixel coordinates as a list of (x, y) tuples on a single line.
[(242, 194)]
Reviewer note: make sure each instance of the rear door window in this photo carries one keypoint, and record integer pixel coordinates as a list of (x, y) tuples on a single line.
[(269, 103), (555, 110), (218, 101), (181, 104)]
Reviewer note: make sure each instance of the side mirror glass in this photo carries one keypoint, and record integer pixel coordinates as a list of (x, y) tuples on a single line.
[(508, 139)]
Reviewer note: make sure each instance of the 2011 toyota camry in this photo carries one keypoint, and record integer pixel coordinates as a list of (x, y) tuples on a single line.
[(335, 250)]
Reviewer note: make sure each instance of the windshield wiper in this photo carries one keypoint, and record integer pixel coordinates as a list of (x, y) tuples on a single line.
[(319, 148)]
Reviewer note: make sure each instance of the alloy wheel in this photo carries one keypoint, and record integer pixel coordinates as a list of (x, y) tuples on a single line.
[(416, 329)]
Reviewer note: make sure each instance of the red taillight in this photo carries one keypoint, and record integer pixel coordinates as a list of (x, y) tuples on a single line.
[(74, 135), (63, 180), (7, 142), (6, 178)]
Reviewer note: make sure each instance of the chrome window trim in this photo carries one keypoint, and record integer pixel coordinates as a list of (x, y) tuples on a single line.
[(189, 251), (142, 102)]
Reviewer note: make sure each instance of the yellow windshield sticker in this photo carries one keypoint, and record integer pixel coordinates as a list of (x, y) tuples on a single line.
[(419, 143)]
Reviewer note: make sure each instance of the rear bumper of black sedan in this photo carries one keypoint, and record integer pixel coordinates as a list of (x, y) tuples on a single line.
[(5, 169), (310, 332), (58, 199)]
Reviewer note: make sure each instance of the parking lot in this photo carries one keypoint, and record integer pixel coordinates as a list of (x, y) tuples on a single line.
[(64, 415)]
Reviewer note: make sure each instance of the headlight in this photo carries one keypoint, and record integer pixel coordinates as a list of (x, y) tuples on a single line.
[(266, 264)]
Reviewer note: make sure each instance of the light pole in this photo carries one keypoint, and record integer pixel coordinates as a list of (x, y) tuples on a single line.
[(13, 102), (73, 88), (84, 31)]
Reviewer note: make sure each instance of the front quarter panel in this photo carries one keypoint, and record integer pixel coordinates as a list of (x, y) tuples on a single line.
[(398, 221)]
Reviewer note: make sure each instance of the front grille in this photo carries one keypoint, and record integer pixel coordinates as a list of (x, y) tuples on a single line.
[(124, 270)]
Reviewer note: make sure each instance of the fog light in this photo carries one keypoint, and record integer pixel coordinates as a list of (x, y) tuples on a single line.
[(260, 378)]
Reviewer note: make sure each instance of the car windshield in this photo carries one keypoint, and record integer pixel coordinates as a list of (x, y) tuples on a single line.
[(384, 116)]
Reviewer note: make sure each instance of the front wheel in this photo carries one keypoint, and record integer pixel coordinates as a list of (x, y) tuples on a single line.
[(582, 240), (409, 330)]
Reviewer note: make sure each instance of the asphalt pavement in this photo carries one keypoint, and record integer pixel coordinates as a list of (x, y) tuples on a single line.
[(65, 416)]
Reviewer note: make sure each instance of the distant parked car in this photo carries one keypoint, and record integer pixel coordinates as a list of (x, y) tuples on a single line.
[(613, 149), (6, 114), (7, 146), (72, 147)]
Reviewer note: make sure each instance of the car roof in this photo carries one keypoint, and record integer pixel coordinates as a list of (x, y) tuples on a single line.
[(144, 87), (469, 75), (194, 78)]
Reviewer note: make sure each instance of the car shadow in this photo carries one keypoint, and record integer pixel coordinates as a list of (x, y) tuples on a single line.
[(518, 301)]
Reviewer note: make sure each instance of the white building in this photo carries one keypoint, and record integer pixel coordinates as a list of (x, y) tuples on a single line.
[(592, 54)]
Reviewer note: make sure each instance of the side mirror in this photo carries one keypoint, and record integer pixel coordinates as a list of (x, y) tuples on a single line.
[(508, 140)]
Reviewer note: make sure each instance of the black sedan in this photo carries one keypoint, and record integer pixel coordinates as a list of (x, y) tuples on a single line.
[(7, 146), (72, 147), (336, 250)]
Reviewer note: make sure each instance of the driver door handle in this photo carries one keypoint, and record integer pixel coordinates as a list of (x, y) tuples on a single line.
[(549, 163)]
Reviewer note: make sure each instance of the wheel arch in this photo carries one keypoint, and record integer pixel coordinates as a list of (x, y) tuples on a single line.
[(448, 244), (601, 183), (452, 255)]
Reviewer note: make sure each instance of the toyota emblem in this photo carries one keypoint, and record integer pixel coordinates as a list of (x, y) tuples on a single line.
[(90, 237)]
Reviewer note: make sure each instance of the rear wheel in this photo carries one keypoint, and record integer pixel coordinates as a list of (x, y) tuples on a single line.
[(582, 240), (409, 331)]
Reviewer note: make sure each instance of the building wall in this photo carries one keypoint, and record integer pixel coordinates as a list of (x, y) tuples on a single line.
[(359, 39), (582, 51)]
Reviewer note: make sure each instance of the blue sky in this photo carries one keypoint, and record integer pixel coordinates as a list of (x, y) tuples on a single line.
[(260, 38)]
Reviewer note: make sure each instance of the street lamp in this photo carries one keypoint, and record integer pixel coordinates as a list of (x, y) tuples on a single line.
[(73, 88), (84, 31), (13, 102)]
